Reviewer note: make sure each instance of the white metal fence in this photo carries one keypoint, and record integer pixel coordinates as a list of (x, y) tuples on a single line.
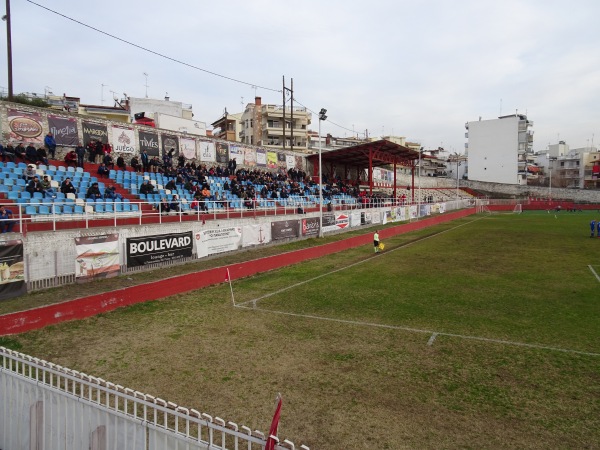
[(46, 406)]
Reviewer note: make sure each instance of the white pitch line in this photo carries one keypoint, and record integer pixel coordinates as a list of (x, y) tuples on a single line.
[(434, 333), (254, 300), (594, 272)]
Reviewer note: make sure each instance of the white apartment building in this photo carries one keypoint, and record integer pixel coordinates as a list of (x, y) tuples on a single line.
[(497, 149)]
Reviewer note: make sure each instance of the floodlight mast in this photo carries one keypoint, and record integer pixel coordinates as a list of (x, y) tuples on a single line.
[(322, 117)]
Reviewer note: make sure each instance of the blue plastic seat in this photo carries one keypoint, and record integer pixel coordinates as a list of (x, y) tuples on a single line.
[(30, 210)]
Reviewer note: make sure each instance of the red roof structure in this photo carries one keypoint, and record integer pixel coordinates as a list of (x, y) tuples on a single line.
[(367, 156)]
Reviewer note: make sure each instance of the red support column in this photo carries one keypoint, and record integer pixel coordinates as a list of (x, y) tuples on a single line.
[(412, 189), (395, 196), (370, 172)]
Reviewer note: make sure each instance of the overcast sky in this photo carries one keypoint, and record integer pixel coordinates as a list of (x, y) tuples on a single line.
[(419, 69)]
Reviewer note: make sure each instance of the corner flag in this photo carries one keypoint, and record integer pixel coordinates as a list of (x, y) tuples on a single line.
[(274, 425)]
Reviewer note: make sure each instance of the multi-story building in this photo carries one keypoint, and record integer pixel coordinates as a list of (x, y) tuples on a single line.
[(264, 125), (228, 127), (497, 149), (577, 168)]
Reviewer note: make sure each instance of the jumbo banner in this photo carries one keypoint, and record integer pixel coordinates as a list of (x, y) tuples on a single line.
[(12, 271), (281, 160), (25, 126), (236, 152), (412, 211), (218, 240), (145, 250), (290, 162), (335, 222), (285, 229), (261, 157), (170, 142), (123, 140), (149, 142), (94, 132), (188, 147), (249, 157), (272, 160), (223, 153), (64, 130), (366, 218), (442, 208), (425, 210), (206, 151), (97, 257), (310, 226), (255, 235)]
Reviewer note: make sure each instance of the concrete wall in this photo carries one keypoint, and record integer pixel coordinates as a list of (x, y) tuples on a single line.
[(577, 195)]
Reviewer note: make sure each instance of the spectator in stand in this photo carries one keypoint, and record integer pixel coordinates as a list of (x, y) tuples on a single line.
[(67, 187), (47, 187), (6, 154), (30, 173), (111, 193), (93, 192), (98, 151), (80, 151), (181, 161), (171, 186), (20, 151), (155, 165), (71, 159), (50, 144), (145, 161), (163, 206), (135, 164), (31, 154), (174, 205), (146, 188), (6, 222), (34, 186), (103, 171), (231, 165), (42, 156), (91, 149), (108, 161), (121, 163)]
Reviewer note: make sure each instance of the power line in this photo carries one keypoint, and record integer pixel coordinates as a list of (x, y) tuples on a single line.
[(152, 51), (328, 120)]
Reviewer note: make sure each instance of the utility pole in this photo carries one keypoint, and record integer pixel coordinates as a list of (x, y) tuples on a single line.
[(146, 75), (9, 51), (292, 115), (283, 93)]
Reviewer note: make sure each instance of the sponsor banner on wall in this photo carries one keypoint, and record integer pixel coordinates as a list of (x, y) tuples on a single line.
[(281, 160), (206, 150), (299, 163), (236, 152), (310, 226), (97, 257), (401, 214), (285, 229), (64, 130), (355, 219), (249, 157), (25, 126), (94, 132), (146, 250), (272, 160), (256, 235), (188, 147), (261, 157), (425, 210), (12, 270), (442, 208), (335, 222), (376, 217), (290, 162), (170, 142), (412, 211), (149, 142), (223, 153), (123, 140), (388, 216), (366, 218), (218, 240)]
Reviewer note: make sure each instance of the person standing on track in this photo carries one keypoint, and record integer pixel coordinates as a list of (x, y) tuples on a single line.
[(376, 241)]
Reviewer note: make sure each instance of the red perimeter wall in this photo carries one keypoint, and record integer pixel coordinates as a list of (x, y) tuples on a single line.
[(81, 308)]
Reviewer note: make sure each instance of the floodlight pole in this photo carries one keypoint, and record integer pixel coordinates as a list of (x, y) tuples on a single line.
[(9, 51), (419, 187), (322, 117), (457, 165)]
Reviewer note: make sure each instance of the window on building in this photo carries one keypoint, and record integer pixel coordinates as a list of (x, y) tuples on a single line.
[(251, 123), (270, 123)]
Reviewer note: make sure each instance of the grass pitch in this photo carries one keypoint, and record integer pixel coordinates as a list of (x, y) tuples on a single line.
[(382, 379)]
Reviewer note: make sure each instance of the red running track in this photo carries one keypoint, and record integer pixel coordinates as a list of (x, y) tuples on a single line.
[(81, 308)]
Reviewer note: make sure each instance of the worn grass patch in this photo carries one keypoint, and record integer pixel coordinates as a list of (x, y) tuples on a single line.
[(516, 277)]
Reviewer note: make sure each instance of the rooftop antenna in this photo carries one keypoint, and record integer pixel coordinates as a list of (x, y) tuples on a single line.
[(47, 90), (255, 88), (102, 93), (114, 96), (242, 101), (146, 75)]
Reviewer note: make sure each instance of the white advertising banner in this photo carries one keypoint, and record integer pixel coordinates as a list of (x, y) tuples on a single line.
[(237, 153), (123, 140), (388, 216), (290, 161), (206, 151), (413, 211), (209, 242), (376, 217), (255, 235), (442, 208), (335, 222), (355, 219), (187, 146), (401, 214)]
